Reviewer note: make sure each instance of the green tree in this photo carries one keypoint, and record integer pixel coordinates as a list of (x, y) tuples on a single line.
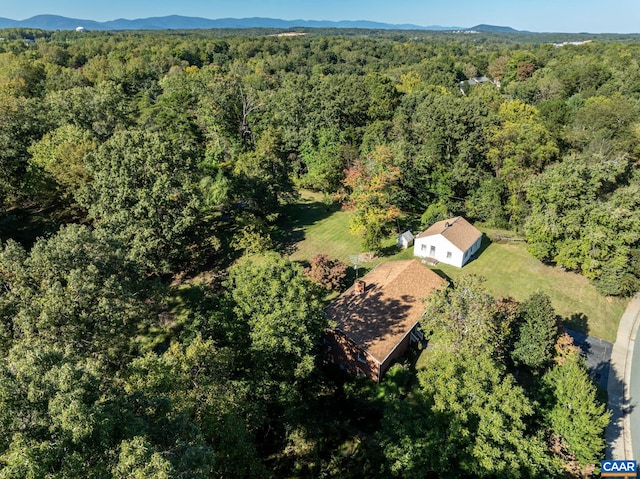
[(537, 333), (75, 396), (76, 291), (384, 97), (440, 147), (289, 108), (193, 414), (282, 310), (21, 125), (227, 108), (324, 163), (520, 146), (465, 317), (583, 218), (435, 212), (581, 74), (138, 459), (486, 203), (263, 177), (574, 414), (61, 155), (470, 420), (604, 125), (59, 410), (21, 76), (173, 113), (100, 109), (142, 192)]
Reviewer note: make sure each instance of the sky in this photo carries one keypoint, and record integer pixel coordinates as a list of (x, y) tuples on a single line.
[(570, 16)]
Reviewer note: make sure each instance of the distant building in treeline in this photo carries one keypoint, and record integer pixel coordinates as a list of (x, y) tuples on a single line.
[(288, 34), (564, 44), (482, 80)]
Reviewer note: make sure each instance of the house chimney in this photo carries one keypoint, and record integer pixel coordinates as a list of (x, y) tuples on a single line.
[(360, 287)]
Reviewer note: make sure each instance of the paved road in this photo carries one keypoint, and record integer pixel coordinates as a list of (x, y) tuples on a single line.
[(624, 393), (598, 356), (634, 393)]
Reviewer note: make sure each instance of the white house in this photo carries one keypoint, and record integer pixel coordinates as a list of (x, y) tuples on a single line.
[(452, 241), (405, 240)]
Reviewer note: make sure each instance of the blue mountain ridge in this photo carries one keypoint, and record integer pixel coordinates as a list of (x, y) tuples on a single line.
[(177, 22)]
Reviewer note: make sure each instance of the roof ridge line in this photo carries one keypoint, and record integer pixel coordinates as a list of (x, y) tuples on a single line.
[(447, 225)]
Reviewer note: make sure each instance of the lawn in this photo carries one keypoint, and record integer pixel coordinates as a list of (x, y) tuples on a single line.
[(511, 271), (310, 227)]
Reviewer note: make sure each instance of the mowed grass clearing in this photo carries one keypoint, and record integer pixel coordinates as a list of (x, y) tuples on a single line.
[(510, 270), (329, 235), (312, 227)]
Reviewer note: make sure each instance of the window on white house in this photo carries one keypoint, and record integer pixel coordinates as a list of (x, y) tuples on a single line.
[(432, 251), (448, 254), (423, 247), (361, 358)]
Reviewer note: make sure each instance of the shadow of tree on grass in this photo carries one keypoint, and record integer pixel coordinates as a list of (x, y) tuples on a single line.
[(295, 218), (577, 322)]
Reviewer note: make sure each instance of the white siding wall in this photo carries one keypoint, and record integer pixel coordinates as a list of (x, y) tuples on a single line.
[(443, 246), (445, 251), (474, 247)]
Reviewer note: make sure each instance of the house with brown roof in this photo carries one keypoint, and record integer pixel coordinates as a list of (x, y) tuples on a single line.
[(453, 241), (377, 318)]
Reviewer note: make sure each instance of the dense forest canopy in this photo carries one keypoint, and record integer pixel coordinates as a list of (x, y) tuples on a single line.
[(250, 119), (143, 158)]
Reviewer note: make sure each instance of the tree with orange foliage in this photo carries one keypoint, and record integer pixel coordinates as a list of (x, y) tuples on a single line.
[(370, 186)]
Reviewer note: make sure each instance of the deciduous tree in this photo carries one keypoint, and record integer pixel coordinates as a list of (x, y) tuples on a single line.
[(473, 414), (142, 192), (61, 156), (371, 184), (462, 317), (520, 146), (284, 315), (328, 273)]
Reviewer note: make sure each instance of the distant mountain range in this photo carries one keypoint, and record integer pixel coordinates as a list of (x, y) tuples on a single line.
[(496, 29), (176, 22)]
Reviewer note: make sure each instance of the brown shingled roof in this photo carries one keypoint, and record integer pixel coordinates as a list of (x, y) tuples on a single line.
[(457, 230), (390, 307)]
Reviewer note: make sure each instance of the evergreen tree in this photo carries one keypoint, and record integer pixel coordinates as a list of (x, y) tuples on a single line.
[(574, 415), (537, 333)]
